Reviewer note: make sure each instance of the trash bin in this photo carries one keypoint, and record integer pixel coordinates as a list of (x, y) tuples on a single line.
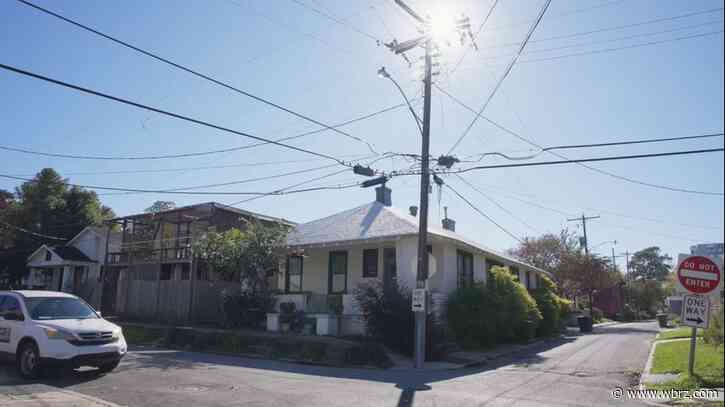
[(585, 323), (662, 320)]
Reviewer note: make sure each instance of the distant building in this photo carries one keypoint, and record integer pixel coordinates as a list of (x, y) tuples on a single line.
[(708, 249)]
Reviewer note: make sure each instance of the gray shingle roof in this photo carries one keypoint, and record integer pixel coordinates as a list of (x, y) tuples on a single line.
[(375, 221), (70, 253)]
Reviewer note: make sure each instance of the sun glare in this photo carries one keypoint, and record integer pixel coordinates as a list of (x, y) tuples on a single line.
[(443, 26)]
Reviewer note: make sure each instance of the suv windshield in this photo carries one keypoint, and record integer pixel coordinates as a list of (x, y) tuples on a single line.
[(41, 308)]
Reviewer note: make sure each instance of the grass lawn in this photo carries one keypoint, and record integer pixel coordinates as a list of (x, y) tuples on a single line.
[(672, 358), (683, 332)]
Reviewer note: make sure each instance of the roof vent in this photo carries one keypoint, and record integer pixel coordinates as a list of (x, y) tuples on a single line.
[(448, 224), (383, 195)]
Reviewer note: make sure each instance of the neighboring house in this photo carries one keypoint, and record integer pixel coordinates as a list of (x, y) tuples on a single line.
[(610, 300), (333, 255), (152, 275), (75, 267)]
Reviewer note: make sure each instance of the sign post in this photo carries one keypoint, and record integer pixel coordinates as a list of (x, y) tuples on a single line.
[(700, 276)]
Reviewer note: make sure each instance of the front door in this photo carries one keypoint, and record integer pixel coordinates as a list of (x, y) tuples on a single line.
[(390, 269)]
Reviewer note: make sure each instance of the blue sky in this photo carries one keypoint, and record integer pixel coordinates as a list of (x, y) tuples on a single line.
[(302, 60)]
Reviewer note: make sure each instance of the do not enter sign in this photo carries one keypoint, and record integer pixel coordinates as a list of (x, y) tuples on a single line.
[(698, 274)]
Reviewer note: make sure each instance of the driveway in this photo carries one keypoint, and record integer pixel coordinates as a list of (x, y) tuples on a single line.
[(577, 371)]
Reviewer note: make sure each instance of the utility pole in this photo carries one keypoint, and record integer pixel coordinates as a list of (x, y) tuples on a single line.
[(584, 220), (426, 40)]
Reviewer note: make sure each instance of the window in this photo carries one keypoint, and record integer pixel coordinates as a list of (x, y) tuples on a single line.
[(370, 263), (293, 282), (10, 305), (185, 271), (528, 280), (338, 272), (465, 269), (48, 255), (167, 272), (45, 308), (82, 273)]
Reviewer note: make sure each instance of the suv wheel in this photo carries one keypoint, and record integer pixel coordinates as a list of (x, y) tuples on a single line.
[(28, 361)]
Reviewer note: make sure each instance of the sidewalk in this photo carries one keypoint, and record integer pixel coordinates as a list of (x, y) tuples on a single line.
[(52, 397)]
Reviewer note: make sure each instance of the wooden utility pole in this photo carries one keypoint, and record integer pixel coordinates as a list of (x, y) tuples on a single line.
[(584, 220)]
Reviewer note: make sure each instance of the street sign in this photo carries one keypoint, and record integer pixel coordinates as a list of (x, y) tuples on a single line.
[(419, 300), (696, 311), (698, 274)]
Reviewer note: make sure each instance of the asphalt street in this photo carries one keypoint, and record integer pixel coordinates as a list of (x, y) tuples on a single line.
[(575, 371)]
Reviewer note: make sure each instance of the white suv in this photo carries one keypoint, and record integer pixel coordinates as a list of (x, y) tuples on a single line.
[(47, 328)]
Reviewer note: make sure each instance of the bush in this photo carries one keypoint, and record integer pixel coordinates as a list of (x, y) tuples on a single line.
[(387, 314), (500, 311), (714, 334), (245, 309), (553, 308), (629, 314), (468, 318), (514, 310)]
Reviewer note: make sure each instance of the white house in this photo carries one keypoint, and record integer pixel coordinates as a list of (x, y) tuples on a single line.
[(332, 255), (74, 267)]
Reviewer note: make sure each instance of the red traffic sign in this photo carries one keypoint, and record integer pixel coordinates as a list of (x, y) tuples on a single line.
[(698, 274)]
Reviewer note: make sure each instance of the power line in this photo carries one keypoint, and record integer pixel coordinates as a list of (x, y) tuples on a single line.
[(518, 239), (594, 145), (628, 37), (600, 171), (238, 182), (162, 191), (475, 36), (201, 153), (503, 77), (195, 73), (338, 21), (28, 232), (163, 112), (498, 205), (556, 16), (613, 49)]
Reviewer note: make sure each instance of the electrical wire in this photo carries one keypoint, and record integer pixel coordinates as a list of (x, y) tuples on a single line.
[(609, 144), (338, 21), (503, 77), (475, 37), (162, 191), (498, 205), (559, 155), (480, 212), (164, 112), (31, 233), (509, 26), (201, 153), (196, 73)]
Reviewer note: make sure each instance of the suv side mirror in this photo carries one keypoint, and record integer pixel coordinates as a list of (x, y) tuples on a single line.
[(11, 316)]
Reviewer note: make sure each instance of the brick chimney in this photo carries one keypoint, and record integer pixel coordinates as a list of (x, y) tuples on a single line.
[(448, 224), (383, 195)]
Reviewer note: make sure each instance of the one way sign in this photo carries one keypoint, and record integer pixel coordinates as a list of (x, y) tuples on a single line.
[(696, 311)]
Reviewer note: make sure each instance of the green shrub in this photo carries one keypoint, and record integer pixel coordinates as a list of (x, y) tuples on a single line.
[(629, 313), (514, 310), (714, 334), (469, 317), (387, 314), (553, 308), (245, 309), (367, 353)]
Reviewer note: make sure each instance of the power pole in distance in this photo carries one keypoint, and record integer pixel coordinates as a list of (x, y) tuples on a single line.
[(584, 220)]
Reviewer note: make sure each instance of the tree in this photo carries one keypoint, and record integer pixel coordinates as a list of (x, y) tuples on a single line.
[(549, 252), (649, 263), (160, 206), (586, 273), (646, 295), (254, 253), (42, 208)]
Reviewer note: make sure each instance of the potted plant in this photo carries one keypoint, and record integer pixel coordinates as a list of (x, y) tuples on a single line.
[(286, 315)]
